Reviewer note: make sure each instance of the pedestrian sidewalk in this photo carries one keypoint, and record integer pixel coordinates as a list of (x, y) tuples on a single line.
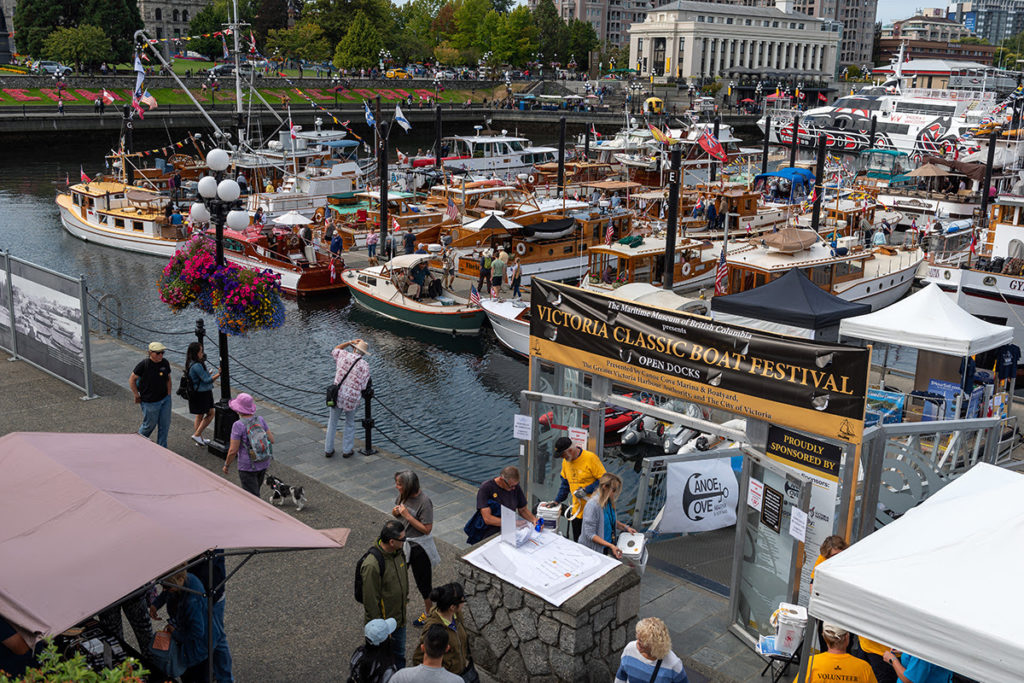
[(696, 618)]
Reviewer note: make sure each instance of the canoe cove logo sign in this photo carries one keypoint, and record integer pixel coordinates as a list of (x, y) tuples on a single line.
[(704, 496)]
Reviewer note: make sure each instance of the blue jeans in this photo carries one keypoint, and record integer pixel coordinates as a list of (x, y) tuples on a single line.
[(398, 647), (348, 437), (221, 653), (156, 415), (371, 250)]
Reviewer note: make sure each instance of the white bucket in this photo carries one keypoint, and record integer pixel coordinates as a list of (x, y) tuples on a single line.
[(634, 551), (791, 620), (549, 515)]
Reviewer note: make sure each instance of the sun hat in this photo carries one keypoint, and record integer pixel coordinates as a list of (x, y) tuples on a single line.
[(562, 444), (243, 404), (378, 630), (833, 631), (156, 347), (362, 347)]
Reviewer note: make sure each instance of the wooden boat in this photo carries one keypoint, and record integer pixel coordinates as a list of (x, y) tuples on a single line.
[(382, 289), (355, 221), (877, 276), (304, 271), (114, 214), (610, 266)]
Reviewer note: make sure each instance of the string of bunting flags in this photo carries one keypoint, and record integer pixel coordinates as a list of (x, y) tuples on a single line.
[(168, 148)]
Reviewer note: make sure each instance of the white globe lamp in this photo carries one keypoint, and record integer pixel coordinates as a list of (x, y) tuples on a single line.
[(217, 160), (199, 213), (208, 187), (228, 190), (238, 220)]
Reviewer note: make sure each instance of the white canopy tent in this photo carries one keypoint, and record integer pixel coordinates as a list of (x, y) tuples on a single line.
[(938, 582), (928, 320)]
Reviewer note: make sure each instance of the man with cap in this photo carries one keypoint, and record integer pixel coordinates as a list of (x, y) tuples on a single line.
[(150, 383), (836, 664), (351, 373), (385, 577), (373, 662), (581, 471)]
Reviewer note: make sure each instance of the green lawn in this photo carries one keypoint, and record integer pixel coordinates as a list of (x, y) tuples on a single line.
[(275, 92)]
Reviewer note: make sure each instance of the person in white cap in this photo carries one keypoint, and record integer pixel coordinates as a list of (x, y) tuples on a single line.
[(351, 374), (150, 383), (373, 662), (836, 664)]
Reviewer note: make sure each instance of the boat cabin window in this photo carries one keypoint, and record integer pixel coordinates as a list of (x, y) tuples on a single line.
[(102, 218), (821, 276), (76, 199), (119, 223), (848, 270), (516, 145), (367, 280), (137, 226)]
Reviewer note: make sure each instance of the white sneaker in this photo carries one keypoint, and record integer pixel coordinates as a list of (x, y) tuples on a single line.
[(200, 441)]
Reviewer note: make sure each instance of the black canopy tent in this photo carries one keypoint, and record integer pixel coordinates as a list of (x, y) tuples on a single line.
[(791, 304)]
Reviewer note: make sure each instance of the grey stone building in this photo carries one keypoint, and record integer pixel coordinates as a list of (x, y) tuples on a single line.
[(169, 18)]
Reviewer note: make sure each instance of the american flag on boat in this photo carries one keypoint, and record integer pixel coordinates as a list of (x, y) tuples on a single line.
[(452, 212), (721, 286), (609, 234), (474, 296)]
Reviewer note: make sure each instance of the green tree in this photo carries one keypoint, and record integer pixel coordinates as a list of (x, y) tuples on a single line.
[(444, 22), (270, 14), (582, 39), (207, 20), (417, 34), (973, 40), (120, 19), (552, 32), (469, 16), (34, 20), (305, 41), (517, 41), (445, 54), (488, 30), (80, 45), (335, 17), (361, 45)]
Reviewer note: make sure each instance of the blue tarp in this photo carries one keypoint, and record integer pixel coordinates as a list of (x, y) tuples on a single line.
[(793, 174), (341, 143)]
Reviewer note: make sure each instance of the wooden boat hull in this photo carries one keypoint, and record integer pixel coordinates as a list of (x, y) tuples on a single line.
[(456, 320), (118, 239)]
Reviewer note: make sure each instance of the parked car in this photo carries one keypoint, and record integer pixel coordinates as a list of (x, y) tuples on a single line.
[(397, 73), (221, 70), (446, 74), (48, 67)]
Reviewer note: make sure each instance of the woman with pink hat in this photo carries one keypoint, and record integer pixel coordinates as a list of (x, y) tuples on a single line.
[(251, 442)]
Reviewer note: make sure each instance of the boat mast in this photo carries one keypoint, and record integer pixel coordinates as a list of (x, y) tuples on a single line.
[(238, 77)]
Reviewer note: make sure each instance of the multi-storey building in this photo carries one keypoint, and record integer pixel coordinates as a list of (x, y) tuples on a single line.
[(705, 39), (858, 19), (164, 19), (927, 28), (7, 9), (993, 20), (610, 18)]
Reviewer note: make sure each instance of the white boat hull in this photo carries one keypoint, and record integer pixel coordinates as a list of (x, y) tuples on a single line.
[(882, 290), (116, 239), (512, 333), (996, 297)]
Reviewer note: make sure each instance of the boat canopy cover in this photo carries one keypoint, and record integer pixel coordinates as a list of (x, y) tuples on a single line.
[(793, 173), (929, 320), (901, 585), (142, 197), (340, 143), (972, 170), (792, 300)]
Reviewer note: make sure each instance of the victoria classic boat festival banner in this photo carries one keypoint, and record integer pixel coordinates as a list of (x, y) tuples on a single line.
[(815, 387)]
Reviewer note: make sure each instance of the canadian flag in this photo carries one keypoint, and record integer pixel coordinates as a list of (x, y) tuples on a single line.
[(394, 224), (292, 130), (85, 178), (402, 159), (106, 96)]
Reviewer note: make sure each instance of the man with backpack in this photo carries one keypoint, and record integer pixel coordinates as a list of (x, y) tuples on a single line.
[(382, 584), (150, 383)]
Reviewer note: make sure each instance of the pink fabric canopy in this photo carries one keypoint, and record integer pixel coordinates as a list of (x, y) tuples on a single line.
[(86, 519)]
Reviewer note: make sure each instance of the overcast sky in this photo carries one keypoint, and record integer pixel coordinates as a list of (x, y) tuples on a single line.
[(889, 10)]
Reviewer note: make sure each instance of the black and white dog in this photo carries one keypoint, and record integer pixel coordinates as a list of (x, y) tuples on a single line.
[(282, 491)]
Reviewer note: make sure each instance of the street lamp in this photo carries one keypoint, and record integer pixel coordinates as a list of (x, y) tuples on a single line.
[(437, 84), (218, 203), (335, 84)]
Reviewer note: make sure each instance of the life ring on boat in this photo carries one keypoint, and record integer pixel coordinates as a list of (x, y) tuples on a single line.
[(521, 248), (318, 216), (532, 179), (293, 241), (686, 269)]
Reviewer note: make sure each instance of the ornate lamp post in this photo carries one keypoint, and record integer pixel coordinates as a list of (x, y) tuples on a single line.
[(218, 203), (335, 84), (437, 84)]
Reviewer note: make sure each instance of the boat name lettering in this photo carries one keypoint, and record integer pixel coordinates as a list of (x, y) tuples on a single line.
[(1017, 285)]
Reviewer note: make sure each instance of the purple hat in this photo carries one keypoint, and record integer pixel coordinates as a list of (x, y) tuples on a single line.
[(243, 404)]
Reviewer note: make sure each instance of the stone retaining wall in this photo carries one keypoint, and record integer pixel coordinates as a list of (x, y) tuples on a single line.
[(518, 637)]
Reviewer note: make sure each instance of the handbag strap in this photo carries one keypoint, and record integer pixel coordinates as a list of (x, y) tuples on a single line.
[(654, 675), (345, 376)]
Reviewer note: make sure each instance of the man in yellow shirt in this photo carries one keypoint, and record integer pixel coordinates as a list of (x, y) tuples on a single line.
[(836, 665), (580, 473)]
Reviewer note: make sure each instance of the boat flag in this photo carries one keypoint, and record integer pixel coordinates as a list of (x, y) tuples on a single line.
[(148, 100), (67, 179), (710, 144), (333, 273), (402, 159), (721, 286), (401, 120), (85, 178), (452, 212), (140, 75), (106, 97), (822, 98), (224, 42), (609, 234), (395, 225), (291, 130), (137, 107), (974, 242), (593, 131), (658, 135), (474, 296), (370, 121), (252, 43)]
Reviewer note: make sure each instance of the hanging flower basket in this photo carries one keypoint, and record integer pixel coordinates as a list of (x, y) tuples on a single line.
[(243, 300)]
